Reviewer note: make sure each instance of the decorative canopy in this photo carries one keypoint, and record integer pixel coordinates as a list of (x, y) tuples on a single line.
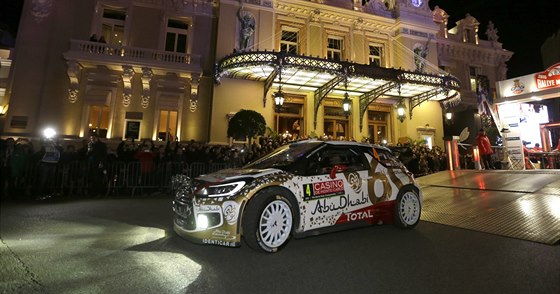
[(325, 76)]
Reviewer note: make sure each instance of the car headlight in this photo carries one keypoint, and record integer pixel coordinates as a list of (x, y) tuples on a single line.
[(222, 190)]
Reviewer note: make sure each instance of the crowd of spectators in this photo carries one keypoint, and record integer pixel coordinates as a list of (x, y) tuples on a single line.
[(19, 156), (28, 169), (419, 159)]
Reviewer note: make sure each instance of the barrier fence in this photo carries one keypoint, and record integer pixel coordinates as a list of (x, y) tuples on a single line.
[(538, 160), (78, 178)]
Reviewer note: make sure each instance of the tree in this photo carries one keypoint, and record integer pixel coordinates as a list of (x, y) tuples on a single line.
[(246, 123)]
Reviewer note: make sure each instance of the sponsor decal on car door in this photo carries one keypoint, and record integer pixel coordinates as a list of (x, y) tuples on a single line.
[(325, 199)]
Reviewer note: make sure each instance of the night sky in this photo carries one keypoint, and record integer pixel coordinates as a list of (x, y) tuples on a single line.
[(522, 25), (10, 10)]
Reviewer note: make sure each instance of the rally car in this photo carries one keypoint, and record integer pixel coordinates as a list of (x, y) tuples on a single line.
[(300, 189)]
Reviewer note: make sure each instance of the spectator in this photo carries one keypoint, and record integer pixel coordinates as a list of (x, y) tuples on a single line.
[(528, 163), (537, 148), (102, 48), (146, 157), (50, 155), (18, 163), (126, 150), (484, 149), (96, 156), (149, 143), (557, 149), (72, 169), (69, 155), (235, 159), (83, 151), (533, 157), (6, 150), (554, 161)]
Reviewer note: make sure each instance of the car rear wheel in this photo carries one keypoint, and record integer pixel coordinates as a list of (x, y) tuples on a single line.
[(407, 209), (268, 221)]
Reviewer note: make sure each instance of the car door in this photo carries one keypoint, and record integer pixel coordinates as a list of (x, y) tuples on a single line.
[(334, 187)]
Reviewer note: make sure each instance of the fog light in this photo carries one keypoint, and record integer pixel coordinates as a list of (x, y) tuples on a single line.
[(201, 221)]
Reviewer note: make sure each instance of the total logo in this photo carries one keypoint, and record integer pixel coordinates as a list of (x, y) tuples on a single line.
[(359, 215)]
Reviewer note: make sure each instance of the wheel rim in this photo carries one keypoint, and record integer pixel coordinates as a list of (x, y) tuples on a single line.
[(275, 223), (409, 208)]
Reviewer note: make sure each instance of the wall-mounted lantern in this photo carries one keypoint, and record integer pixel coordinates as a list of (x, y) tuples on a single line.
[(279, 95), (346, 102), (401, 110)]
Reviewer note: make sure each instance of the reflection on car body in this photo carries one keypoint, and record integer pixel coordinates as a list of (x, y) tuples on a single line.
[(299, 189)]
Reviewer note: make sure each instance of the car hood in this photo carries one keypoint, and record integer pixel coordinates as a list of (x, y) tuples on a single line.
[(230, 174)]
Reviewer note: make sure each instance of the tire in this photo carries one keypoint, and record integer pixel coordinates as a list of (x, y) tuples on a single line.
[(407, 209), (268, 221)]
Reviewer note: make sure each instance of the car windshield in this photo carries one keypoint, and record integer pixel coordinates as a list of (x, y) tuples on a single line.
[(284, 156)]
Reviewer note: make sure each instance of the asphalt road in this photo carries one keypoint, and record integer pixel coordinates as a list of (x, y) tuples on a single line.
[(128, 246)]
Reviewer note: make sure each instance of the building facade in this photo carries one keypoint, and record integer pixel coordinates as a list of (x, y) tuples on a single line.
[(5, 69), (115, 68), (476, 62), (181, 69)]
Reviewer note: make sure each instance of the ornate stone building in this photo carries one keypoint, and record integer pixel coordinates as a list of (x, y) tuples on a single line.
[(181, 69), (116, 68), (471, 59)]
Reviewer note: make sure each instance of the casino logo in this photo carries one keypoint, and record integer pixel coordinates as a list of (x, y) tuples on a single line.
[(318, 190)]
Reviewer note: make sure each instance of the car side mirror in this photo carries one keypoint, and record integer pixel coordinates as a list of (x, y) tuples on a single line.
[(337, 168)]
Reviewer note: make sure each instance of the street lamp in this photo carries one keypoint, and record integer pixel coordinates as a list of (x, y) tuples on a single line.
[(346, 102)]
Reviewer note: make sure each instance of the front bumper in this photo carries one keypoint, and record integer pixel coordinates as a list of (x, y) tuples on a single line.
[(207, 221)]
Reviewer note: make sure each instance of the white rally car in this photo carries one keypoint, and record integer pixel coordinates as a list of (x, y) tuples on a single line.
[(303, 188)]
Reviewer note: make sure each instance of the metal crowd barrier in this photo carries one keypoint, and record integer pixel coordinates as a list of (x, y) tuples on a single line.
[(539, 160), (467, 160), (78, 178)]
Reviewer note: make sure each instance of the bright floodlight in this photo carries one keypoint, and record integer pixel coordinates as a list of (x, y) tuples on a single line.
[(49, 133)]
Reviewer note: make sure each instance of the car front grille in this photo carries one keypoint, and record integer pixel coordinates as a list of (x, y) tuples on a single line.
[(185, 214)]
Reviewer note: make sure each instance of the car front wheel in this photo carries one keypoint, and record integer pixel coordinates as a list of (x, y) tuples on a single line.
[(268, 221), (407, 209)]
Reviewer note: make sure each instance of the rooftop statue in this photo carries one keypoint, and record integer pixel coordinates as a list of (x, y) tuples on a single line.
[(492, 32)]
